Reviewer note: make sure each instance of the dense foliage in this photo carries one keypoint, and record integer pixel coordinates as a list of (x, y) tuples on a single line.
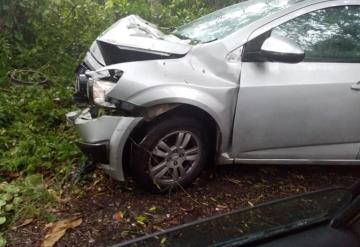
[(52, 36), (58, 32)]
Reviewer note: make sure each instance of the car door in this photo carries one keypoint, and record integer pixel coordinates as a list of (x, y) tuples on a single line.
[(307, 110)]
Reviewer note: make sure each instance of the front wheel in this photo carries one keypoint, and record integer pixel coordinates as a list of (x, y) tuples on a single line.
[(172, 154)]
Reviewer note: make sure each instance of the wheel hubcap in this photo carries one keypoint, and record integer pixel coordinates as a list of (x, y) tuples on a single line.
[(174, 157)]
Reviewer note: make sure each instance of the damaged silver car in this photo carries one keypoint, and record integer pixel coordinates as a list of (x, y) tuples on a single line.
[(259, 82)]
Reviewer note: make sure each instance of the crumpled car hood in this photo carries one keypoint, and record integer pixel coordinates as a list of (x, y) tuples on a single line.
[(134, 39)]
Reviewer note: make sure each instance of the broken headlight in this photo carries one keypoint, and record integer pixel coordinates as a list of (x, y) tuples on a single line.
[(99, 91), (100, 83)]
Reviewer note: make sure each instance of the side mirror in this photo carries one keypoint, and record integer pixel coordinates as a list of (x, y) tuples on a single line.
[(280, 49)]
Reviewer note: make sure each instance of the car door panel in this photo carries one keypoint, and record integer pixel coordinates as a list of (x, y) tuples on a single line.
[(275, 113), (296, 105), (308, 110)]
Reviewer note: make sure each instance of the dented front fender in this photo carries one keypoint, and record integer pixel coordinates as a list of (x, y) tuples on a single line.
[(152, 83)]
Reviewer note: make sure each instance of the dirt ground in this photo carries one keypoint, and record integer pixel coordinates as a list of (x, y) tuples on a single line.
[(112, 213)]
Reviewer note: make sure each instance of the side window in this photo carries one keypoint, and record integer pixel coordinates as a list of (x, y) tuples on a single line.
[(326, 35)]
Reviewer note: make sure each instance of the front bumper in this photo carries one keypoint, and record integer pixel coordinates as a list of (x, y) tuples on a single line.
[(104, 139)]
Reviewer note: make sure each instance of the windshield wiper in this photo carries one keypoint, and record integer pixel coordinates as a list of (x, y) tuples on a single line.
[(183, 37), (168, 30), (209, 41), (180, 36)]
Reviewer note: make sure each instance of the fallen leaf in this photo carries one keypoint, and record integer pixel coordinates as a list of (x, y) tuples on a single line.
[(251, 204), (141, 219), (152, 209), (13, 175), (119, 216), (124, 234), (57, 230), (163, 241), (25, 223)]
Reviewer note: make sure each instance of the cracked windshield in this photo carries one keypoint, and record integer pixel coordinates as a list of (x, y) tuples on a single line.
[(222, 23)]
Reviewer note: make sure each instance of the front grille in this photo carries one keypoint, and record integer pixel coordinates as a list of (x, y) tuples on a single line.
[(81, 69)]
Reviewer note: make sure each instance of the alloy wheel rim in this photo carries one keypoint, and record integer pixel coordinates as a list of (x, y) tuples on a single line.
[(174, 157)]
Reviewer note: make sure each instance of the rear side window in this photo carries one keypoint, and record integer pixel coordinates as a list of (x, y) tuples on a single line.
[(326, 35)]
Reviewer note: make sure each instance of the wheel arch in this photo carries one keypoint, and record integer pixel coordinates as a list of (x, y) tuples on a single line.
[(160, 112)]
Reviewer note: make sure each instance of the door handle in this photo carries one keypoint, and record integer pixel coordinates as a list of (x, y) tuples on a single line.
[(356, 86)]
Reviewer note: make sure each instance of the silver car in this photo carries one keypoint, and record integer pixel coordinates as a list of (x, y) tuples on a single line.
[(259, 82)]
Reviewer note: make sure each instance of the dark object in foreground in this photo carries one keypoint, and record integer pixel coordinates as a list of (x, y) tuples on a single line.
[(324, 218)]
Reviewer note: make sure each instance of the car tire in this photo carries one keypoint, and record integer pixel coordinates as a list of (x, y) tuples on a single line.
[(172, 154)]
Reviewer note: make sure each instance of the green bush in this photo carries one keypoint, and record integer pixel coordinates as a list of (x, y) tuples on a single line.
[(34, 135), (58, 32)]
